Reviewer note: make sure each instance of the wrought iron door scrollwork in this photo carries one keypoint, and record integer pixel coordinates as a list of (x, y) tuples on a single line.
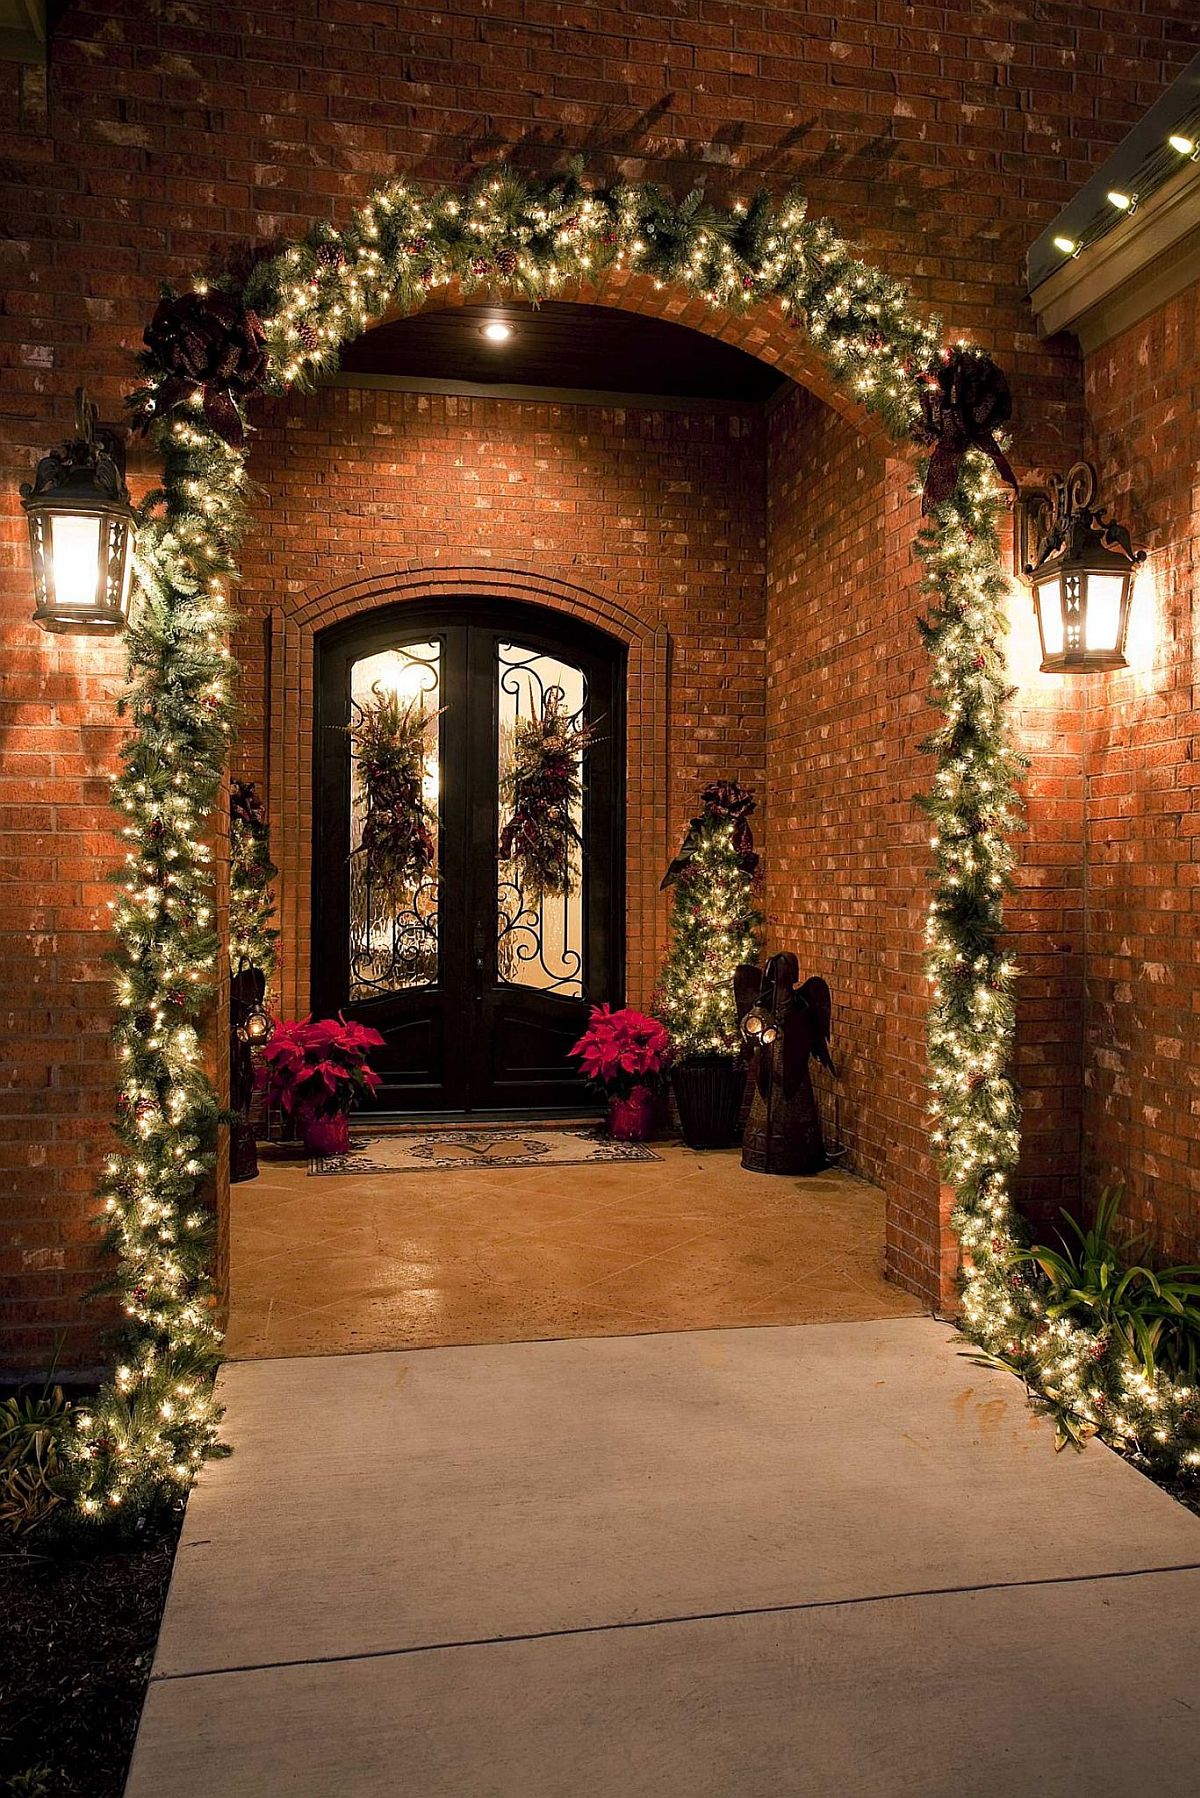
[(539, 937), (394, 937)]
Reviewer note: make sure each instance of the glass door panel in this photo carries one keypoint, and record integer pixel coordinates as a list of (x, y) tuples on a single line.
[(394, 923)]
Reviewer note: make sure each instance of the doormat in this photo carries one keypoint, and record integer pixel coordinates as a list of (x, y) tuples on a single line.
[(478, 1148)]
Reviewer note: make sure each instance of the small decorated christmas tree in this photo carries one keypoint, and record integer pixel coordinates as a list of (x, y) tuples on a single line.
[(715, 924), (252, 936)]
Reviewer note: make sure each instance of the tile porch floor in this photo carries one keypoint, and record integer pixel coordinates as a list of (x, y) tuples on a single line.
[(331, 1265)]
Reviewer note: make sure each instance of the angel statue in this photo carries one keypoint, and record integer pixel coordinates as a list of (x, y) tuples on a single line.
[(784, 1026)]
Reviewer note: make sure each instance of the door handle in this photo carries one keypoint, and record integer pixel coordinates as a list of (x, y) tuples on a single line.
[(480, 971)]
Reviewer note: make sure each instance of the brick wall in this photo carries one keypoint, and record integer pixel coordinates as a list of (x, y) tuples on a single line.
[(846, 676), (649, 521), (1142, 881), (846, 714), (162, 140)]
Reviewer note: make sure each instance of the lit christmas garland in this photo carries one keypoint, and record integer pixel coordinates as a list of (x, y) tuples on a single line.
[(1088, 1383), (142, 1441)]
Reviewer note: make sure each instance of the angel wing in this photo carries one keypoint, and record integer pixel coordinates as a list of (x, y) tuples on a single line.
[(817, 997)]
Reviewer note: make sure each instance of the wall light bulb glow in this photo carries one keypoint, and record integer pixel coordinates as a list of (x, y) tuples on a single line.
[(1067, 245), (1123, 202), (497, 331), (1184, 145)]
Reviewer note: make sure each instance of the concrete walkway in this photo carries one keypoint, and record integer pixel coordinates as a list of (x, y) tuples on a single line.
[(833, 1559)]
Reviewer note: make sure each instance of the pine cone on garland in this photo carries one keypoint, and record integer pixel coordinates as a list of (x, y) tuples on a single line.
[(506, 262), (206, 343)]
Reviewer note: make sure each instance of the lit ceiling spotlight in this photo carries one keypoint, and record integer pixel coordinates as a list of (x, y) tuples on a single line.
[(1067, 245), (1123, 202), (497, 330), (1184, 145)]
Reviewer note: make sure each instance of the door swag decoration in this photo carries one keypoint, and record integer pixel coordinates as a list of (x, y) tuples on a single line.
[(542, 791), (399, 836), (139, 1444)]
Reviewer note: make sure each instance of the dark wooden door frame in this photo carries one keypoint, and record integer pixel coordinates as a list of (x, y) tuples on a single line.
[(471, 1007)]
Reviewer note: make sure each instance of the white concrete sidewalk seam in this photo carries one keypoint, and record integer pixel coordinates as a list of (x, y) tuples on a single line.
[(667, 1622)]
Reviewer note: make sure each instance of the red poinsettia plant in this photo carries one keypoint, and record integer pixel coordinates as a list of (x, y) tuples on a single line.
[(317, 1068), (621, 1050)]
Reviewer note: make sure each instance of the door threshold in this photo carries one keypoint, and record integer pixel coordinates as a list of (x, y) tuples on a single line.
[(394, 1123)]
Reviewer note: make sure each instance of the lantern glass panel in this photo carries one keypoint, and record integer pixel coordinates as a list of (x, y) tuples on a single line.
[(120, 565), (1050, 612), (75, 549), (1104, 594)]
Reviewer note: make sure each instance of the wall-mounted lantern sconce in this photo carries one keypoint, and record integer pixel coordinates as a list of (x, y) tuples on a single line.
[(1081, 566), (81, 530)]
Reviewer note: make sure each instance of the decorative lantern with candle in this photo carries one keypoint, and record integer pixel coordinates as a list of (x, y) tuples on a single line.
[(81, 530), (1082, 576)]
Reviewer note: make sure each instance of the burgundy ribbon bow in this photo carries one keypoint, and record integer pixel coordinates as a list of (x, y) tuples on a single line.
[(245, 806), (206, 343), (963, 402), (723, 799)]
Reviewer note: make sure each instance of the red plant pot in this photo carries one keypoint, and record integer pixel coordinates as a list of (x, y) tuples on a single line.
[(632, 1119), (324, 1136)]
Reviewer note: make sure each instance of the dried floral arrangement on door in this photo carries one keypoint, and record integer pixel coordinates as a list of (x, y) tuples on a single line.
[(392, 749), (541, 793)]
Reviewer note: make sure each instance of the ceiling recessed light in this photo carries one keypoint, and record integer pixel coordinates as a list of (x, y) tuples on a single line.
[(497, 331)]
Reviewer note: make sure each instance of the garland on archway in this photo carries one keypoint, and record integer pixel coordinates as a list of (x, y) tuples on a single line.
[(280, 329)]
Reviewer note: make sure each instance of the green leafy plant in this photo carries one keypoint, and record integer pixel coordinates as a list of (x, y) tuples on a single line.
[(1156, 1315), (34, 1782), (33, 1471)]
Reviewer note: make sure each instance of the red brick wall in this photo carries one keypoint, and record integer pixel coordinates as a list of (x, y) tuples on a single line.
[(846, 714), (161, 140), (1142, 884), (845, 681), (656, 515)]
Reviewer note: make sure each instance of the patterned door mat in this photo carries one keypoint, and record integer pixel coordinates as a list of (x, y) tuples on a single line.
[(478, 1148)]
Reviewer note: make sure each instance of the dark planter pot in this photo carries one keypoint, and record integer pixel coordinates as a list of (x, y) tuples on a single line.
[(708, 1093), (243, 1151), (324, 1136), (632, 1119)]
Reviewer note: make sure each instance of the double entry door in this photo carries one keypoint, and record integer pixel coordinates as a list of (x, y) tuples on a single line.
[(478, 985)]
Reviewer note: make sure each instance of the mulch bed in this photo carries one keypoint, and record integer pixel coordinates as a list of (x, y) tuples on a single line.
[(77, 1639)]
